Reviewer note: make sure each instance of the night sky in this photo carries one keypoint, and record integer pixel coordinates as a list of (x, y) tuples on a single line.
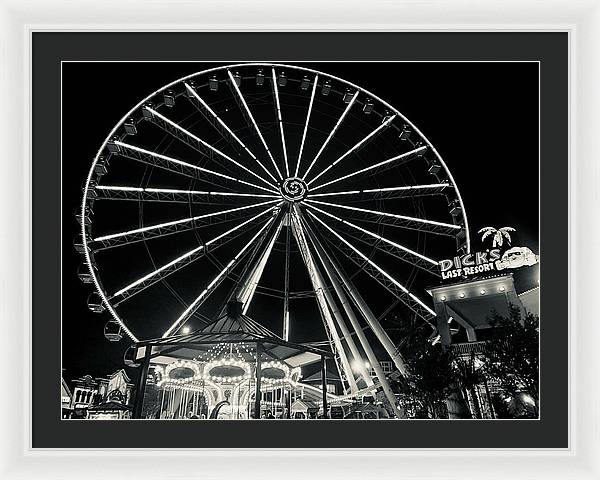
[(481, 117)]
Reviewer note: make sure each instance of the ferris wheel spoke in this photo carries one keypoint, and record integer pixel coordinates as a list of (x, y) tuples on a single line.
[(245, 294), (310, 106), (201, 105), (402, 221), (149, 194), (378, 274), (361, 144), (389, 193), (378, 167), (215, 282), (177, 166), (195, 142), (399, 251), (250, 117), (331, 134), (168, 228), (280, 121), (184, 260)]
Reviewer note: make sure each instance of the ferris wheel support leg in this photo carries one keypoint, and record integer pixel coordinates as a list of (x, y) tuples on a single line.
[(347, 336), (344, 329), (338, 316), (286, 297), (327, 265), (319, 288), (371, 319)]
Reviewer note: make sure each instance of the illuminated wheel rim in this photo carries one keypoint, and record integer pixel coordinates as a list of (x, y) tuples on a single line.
[(347, 194)]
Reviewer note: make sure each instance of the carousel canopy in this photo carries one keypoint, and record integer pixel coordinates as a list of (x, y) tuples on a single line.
[(232, 327)]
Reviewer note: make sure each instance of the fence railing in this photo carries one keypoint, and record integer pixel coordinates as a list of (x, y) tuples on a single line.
[(468, 348)]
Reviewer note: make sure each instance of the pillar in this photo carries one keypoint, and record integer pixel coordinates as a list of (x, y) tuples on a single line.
[(324, 384), (258, 381), (141, 385)]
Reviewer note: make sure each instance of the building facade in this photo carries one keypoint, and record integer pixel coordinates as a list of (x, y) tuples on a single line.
[(102, 398)]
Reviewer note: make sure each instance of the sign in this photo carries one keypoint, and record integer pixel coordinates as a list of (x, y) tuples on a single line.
[(487, 261)]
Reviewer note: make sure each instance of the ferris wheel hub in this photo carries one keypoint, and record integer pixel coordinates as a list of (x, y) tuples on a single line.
[(294, 189)]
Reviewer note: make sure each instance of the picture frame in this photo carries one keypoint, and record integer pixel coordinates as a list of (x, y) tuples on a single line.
[(580, 21)]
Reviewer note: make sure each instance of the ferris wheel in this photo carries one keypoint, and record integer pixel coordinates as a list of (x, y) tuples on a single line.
[(212, 180)]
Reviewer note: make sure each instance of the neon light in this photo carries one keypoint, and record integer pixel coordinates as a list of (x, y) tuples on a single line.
[(177, 222), (374, 265), (189, 165), (248, 293), (224, 125), (366, 169), (385, 214), (239, 93), (276, 90), (119, 188), (187, 254), (207, 145), (357, 146), (389, 189), (184, 192), (378, 237), (339, 122), (223, 272), (310, 105)]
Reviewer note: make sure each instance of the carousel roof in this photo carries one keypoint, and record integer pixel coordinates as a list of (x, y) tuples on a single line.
[(232, 327)]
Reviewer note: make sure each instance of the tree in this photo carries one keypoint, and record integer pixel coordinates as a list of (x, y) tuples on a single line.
[(512, 357), (470, 375), (430, 378)]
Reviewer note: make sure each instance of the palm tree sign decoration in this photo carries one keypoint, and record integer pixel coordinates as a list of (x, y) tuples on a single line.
[(499, 235)]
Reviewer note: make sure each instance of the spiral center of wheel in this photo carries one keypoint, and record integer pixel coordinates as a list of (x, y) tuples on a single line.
[(293, 189)]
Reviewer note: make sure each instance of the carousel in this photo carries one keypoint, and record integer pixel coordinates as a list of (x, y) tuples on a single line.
[(232, 369)]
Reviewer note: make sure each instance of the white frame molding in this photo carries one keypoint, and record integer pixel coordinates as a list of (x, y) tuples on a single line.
[(18, 19)]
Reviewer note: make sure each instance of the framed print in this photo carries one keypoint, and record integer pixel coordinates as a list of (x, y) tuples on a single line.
[(292, 197), (328, 248)]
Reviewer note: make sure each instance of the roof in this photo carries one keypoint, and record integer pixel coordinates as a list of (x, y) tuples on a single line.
[(121, 372), (302, 404), (331, 376), (64, 389), (231, 327)]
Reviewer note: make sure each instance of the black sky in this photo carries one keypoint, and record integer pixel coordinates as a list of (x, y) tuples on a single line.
[(481, 117)]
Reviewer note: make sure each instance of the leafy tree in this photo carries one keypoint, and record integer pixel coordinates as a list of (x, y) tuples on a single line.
[(512, 357), (470, 374), (430, 378)]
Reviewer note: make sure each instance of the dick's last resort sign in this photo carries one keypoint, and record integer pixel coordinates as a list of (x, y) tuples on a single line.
[(489, 260)]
